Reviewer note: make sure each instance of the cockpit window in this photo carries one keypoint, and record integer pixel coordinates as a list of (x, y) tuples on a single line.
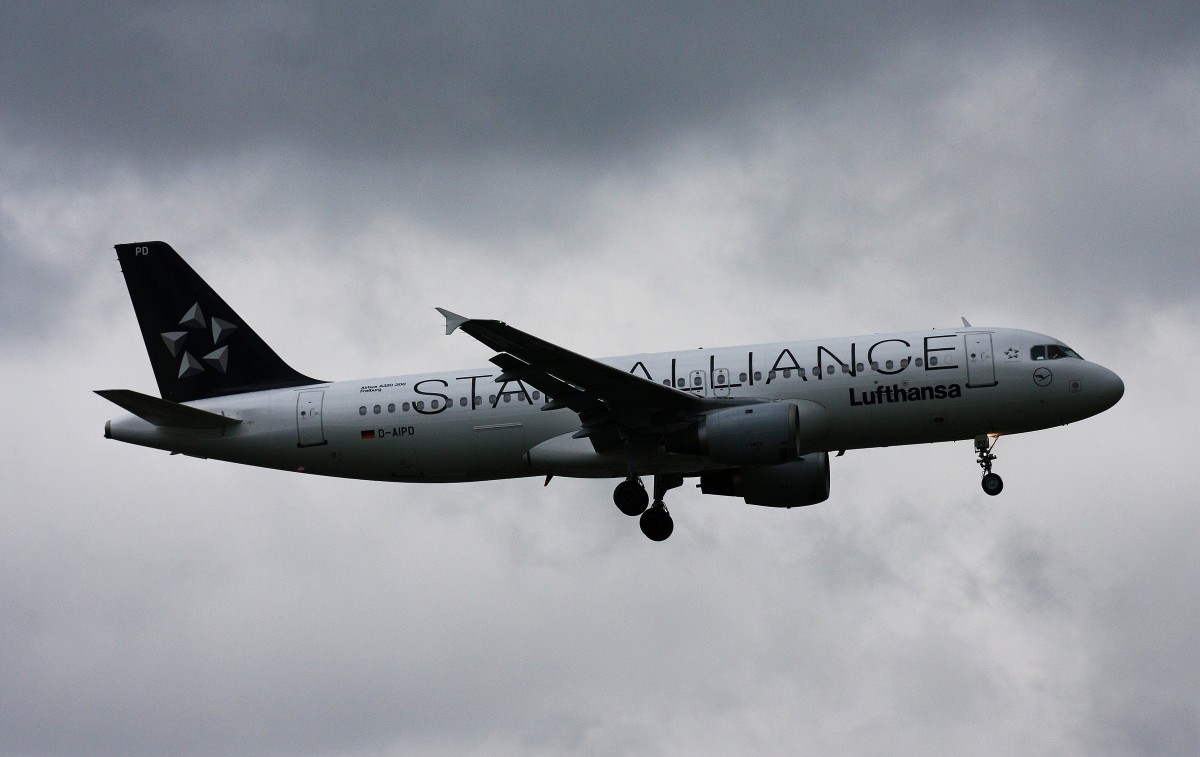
[(1052, 352)]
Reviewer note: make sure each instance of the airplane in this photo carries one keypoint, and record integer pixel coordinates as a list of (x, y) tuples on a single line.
[(757, 422)]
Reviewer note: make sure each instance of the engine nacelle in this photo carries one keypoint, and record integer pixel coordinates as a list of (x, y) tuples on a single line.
[(796, 484), (761, 434)]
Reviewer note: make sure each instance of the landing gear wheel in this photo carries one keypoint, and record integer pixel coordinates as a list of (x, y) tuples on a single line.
[(656, 522), (631, 497), (992, 484)]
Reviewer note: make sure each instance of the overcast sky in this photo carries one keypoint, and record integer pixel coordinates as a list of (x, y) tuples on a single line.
[(617, 178)]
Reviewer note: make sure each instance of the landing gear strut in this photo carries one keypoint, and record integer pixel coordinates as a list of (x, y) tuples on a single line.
[(656, 522), (992, 484)]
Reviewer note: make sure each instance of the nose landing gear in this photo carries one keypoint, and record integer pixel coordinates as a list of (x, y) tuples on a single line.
[(992, 484)]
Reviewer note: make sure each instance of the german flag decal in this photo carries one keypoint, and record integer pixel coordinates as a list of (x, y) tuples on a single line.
[(368, 434)]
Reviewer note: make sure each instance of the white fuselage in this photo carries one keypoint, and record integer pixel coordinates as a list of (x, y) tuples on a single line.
[(879, 390)]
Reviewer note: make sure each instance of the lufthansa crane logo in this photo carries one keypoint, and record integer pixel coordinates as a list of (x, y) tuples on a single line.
[(1043, 376), (197, 328)]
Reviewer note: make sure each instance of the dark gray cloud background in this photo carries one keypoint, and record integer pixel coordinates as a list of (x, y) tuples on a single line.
[(616, 178)]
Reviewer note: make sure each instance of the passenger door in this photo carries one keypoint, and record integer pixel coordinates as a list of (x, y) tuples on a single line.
[(981, 369)]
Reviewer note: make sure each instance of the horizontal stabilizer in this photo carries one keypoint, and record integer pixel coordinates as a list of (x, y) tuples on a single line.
[(165, 412)]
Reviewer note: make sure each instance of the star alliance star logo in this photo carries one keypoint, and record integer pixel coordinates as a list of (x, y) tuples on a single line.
[(193, 320), (1012, 353)]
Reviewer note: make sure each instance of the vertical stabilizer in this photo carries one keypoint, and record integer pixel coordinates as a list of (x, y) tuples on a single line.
[(198, 345)]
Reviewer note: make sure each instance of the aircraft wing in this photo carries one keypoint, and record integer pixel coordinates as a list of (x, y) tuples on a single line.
[(611, 403)]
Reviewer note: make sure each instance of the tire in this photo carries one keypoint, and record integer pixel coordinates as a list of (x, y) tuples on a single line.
[(657, 524), (631, 498)]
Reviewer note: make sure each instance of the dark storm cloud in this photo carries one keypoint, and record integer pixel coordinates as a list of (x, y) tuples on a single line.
[(144, 81), (361, 79), (502, 120)]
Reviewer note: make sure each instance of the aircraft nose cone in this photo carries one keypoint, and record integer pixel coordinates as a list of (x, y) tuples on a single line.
[(1112, 388)]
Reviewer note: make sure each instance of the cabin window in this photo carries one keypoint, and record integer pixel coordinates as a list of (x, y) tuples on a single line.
[(770, 375), (889, 365), (492, 400), (800, 372), (362, 410), (420, 404), (787, 372), (478, 400), (860, 367), (742, 377), (666, 382), (377, 410), (696, 381), (405, 407), (932, 361), (918, 362), (433, 405), (537, 396), (845, 368), (758, 375), (829, 370), (680, 383), (391, 407)]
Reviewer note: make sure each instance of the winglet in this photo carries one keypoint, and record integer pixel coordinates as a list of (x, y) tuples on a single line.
[(965, 323), (453, 320)]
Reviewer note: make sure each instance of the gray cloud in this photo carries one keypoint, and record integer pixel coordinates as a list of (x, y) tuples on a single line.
[(614, 178), (146, 81)]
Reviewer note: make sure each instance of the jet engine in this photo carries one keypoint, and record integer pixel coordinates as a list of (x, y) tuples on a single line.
[(795, 484), (761, 434)]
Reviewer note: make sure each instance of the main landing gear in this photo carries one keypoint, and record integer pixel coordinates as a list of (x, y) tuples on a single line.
[(992, 484), (631, 498)]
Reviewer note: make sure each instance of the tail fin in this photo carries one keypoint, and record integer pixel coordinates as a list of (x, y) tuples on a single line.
[(198, 346)]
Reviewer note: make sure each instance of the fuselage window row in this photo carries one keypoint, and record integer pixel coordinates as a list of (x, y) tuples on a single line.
[(888, 365), (493, 400)]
